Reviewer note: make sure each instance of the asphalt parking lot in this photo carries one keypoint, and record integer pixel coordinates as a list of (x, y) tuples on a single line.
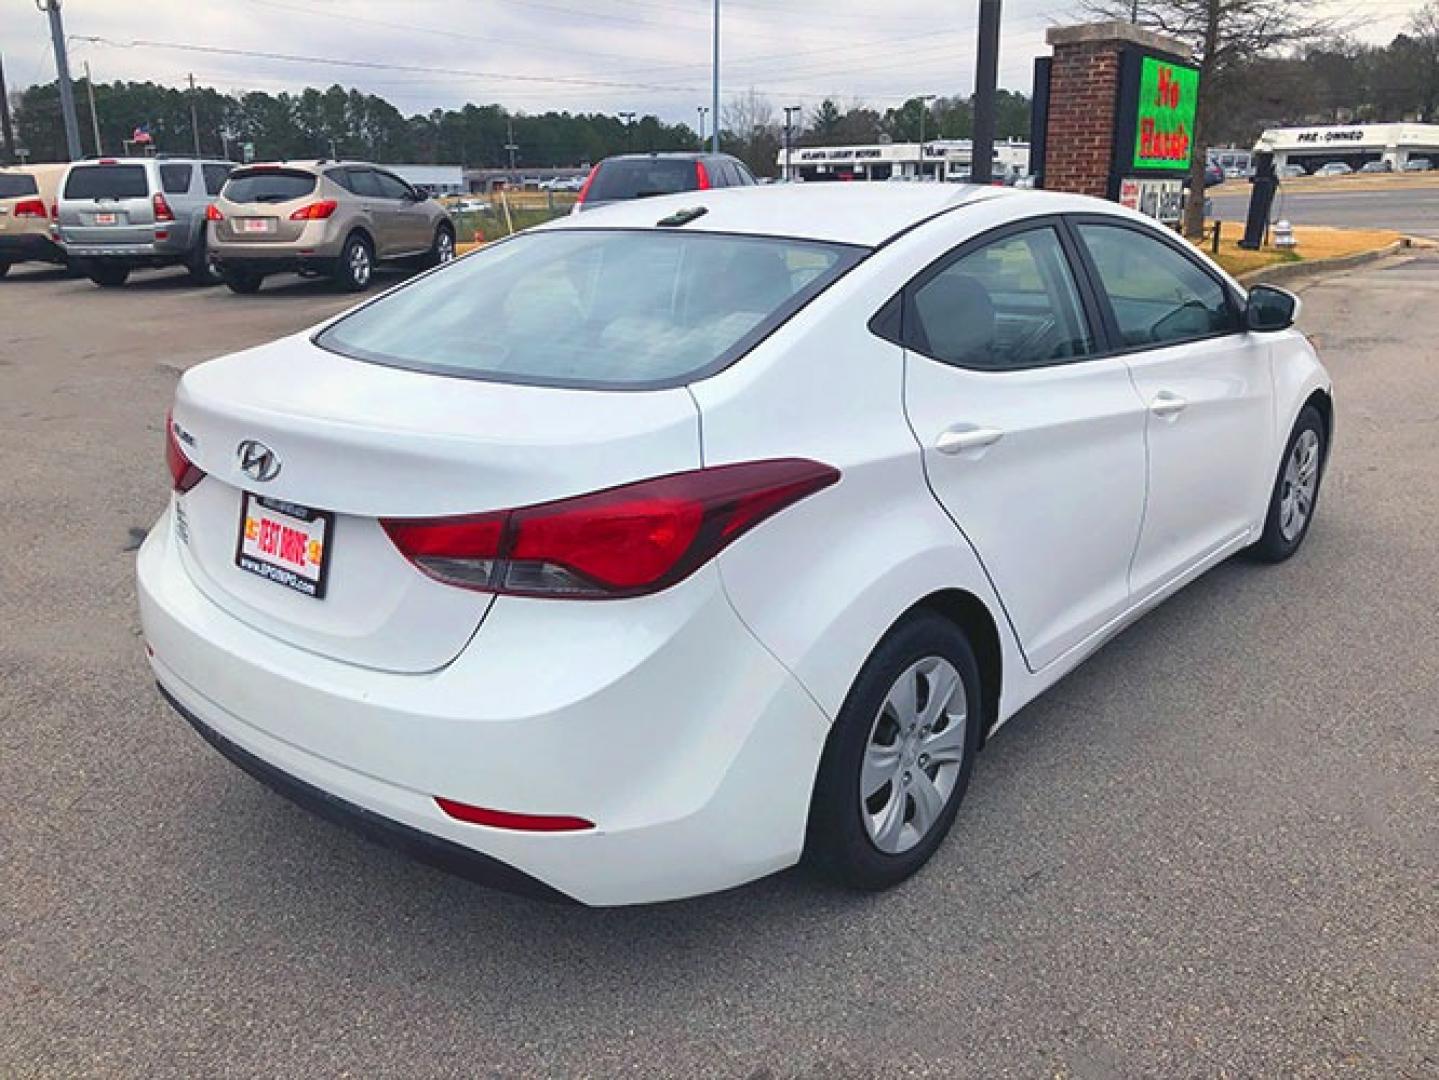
[(1212, 851)]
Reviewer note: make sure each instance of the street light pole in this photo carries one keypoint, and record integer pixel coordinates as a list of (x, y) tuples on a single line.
[(986, 87), (702, 110), (62, 72), (714, 90), (628, 119)]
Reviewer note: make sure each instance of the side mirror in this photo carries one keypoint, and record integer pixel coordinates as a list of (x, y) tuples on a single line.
[(1271, 310)]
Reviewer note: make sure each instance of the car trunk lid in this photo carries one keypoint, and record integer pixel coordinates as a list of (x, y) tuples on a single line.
[(360, 442)]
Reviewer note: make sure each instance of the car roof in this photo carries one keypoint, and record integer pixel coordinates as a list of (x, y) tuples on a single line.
[(669, 155), (860, 213)]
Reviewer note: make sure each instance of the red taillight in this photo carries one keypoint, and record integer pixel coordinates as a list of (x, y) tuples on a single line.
[(212, 213), (316, 211), (503, 819), (626, 541), (585, 187), (184, 473), (55, 210), (31, 208), (702, 176), (162, 208)]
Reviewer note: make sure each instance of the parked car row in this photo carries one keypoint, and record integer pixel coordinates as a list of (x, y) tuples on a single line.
[(107, 217)]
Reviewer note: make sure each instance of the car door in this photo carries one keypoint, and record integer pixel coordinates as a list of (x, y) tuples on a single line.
[(1032, 439), (381, 213), (1207, 387), (411, 217), (177, 181)]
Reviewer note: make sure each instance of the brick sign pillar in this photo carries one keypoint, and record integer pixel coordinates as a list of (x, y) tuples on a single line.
[(1080, 129)]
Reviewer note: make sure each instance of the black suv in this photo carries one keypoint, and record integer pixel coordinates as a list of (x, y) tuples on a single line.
[(638, 176)]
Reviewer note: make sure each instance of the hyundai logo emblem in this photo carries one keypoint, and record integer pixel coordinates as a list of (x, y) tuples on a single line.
[(258, 461)]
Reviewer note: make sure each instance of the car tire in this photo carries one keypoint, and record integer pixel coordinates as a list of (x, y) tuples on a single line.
[(356, 268), (4, 268), (898, 758), (1295, 497), (443, 248), (108, 277), (244, 282)]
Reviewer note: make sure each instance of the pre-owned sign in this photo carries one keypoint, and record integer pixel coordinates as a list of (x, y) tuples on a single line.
[(1164, 117)]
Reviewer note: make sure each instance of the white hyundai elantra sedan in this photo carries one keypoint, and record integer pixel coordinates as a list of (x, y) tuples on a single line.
[(652, 551)]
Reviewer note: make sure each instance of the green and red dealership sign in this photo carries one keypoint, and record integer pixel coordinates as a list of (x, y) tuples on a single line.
[(1164, 115)]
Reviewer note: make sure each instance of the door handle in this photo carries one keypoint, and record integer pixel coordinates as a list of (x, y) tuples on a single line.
[(960, 439), (1167, 405)]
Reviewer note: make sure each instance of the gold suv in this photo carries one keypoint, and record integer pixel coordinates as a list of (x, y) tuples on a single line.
[(332, 219), (27, 201)]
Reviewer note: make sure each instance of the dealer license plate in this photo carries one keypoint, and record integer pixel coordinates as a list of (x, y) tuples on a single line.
[(257, 225), (106, 219), (285, 543)]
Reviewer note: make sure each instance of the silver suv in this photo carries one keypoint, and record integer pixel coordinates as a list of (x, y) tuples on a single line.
[(120, 214)]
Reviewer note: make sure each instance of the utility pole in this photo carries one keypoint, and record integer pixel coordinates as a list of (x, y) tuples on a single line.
[(986, 86), (1134, 11), (511, 145), (702, 110), (789, 111), (6, 131), (714, 93), (194, 119), (62, 72), (94, 116), (924, 100), (628, 119)]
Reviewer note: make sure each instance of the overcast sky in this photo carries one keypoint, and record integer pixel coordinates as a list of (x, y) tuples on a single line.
[(581, 55)]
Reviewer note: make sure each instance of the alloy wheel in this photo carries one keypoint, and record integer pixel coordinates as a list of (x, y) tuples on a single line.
[(360, 264), (913, 758), (1301, 483)]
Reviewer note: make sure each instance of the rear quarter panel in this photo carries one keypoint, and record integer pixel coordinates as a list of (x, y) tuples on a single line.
[(823, 581)]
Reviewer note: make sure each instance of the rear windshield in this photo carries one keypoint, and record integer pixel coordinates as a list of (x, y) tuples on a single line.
[(594, 308), (17, 185), (107, 182), (638, 179), (268, 185)]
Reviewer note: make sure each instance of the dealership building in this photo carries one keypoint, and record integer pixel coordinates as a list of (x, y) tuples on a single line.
[(1353, 144), (938, 159)]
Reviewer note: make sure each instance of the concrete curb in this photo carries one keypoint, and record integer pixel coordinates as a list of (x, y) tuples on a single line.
[(1285, 272)]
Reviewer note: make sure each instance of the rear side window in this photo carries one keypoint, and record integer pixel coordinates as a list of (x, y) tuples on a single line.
[(215, 177), (1011, 304), (17, 186), (1158, 296), (107, 182), (268, 185), (640, 178), (366, 183), (594, 308), (175, 179)]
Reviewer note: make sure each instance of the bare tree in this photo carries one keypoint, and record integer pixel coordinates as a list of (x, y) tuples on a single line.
[(1224, 34), (1424, 30)]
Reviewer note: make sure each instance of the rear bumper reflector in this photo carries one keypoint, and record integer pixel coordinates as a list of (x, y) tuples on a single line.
[(503, 819)]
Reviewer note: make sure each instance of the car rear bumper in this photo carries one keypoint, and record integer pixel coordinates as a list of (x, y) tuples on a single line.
[(278, 262), (451, 857), (156, 254), (30, 247), (669, 726)]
